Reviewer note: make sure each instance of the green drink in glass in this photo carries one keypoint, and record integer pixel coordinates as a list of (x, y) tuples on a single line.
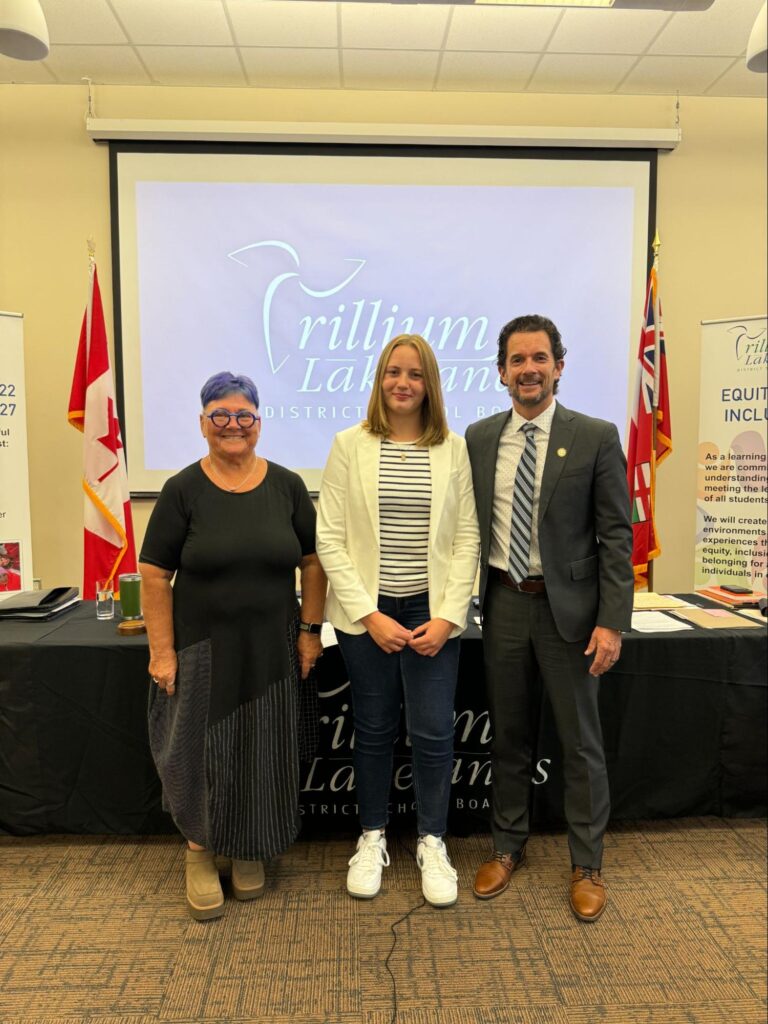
[(130, 595)]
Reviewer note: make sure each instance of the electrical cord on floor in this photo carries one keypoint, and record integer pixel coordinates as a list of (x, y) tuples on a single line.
[(422, 903)]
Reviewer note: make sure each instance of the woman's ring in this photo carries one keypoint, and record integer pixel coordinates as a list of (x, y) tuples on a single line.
[(155, 679)]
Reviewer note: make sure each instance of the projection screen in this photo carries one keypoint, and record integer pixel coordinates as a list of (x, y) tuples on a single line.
[(296, 267)]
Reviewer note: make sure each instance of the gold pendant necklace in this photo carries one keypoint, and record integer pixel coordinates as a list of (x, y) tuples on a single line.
[(226, 486), (401, 451)]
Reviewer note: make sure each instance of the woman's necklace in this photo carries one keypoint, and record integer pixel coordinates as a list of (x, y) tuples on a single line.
[(402, 448), (225, 485)]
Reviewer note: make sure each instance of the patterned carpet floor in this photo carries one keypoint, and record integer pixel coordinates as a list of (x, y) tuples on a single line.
[(94, 930)]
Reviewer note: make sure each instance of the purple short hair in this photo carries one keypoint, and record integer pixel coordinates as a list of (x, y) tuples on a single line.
[(226, 383)]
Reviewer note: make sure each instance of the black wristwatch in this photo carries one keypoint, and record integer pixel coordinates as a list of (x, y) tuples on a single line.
[(311, 627)]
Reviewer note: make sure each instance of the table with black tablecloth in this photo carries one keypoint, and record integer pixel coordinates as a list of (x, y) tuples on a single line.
[(684, 719)]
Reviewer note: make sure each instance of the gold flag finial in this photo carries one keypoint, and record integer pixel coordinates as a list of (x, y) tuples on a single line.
[(91, 248), (656, 244)]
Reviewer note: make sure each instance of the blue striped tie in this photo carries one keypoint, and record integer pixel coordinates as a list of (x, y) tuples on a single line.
[(522, 508)]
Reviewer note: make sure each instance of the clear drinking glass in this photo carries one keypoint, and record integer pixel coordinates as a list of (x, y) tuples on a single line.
[(105, 599)]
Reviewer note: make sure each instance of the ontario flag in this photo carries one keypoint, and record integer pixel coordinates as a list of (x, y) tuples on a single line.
[(108, 543), (650, 432)]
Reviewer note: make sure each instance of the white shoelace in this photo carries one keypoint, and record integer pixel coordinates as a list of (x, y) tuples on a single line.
[(434, 860), (370, 854)]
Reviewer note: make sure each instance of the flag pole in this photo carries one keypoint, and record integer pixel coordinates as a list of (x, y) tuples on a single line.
[(655, 404), (89, 304)]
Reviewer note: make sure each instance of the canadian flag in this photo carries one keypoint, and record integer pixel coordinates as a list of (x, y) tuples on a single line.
[(108, 542)]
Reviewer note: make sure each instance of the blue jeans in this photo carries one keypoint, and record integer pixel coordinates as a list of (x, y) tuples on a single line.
[(426, 686)]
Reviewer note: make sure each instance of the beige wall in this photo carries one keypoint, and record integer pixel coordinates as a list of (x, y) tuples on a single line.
[(54, 193)]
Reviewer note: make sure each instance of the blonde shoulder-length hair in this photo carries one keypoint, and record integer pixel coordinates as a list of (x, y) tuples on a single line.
[(433, 421)]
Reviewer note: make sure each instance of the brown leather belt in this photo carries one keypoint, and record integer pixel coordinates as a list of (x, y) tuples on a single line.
[(530, 585)]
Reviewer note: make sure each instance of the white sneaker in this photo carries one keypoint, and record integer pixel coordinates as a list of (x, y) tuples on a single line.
[(438, 878), (364, 875)]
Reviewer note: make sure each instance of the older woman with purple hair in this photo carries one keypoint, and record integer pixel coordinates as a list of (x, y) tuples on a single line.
[(228, 643)]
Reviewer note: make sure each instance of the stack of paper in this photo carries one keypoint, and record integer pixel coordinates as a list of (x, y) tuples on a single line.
[(749, 599), (754, 613), (644, 602), (716, 618), (38, 605), (657, 622)]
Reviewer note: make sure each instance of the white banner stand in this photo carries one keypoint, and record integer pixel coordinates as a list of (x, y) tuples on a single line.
[(15, 526), (732, 486)]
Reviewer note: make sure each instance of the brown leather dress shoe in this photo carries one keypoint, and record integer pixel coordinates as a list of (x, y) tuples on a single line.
[(588, 897), (493, 875)]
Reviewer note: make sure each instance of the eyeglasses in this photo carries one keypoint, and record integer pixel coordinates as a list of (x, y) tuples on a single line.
[(221, 418)]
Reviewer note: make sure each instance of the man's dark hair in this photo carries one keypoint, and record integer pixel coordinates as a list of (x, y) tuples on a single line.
[(527, 325)]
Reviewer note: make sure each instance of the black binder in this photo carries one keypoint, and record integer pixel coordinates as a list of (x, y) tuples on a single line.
[(39, 605)]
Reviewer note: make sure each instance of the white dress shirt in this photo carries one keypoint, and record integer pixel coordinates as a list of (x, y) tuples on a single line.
[(511, 445)]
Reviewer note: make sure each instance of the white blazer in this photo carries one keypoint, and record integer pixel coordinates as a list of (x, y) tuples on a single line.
[(348, 530)]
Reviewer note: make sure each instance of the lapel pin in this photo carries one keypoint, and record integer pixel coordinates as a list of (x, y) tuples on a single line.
[(562, 452)]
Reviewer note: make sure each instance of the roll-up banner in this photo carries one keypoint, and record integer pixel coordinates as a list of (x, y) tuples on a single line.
[(15, 528), (732, 485)]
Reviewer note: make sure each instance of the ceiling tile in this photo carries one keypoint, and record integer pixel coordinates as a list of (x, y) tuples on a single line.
[(580, 73), (657, 76), (722, 30), (393, 27), (738, 81), (174, 22), (81, 21), (309, 44), (25, 72), (106, 65), (606, 31), (486, 72), (193, 65), (272, 23), (501, 28), (387, 69), (275, 67)]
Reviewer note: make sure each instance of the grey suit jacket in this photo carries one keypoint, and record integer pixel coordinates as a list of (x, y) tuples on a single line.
[(585, 533)]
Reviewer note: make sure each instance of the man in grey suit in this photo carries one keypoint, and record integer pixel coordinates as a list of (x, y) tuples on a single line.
[(556, 589)]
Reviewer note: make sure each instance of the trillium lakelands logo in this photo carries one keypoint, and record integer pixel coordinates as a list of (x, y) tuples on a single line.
[(329, 344), (751, 349), (330, 776)]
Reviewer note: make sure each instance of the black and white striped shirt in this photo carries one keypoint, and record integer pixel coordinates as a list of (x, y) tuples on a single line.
[(405, 498)]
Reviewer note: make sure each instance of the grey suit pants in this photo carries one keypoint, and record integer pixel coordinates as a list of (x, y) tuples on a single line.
[(520, 644)]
